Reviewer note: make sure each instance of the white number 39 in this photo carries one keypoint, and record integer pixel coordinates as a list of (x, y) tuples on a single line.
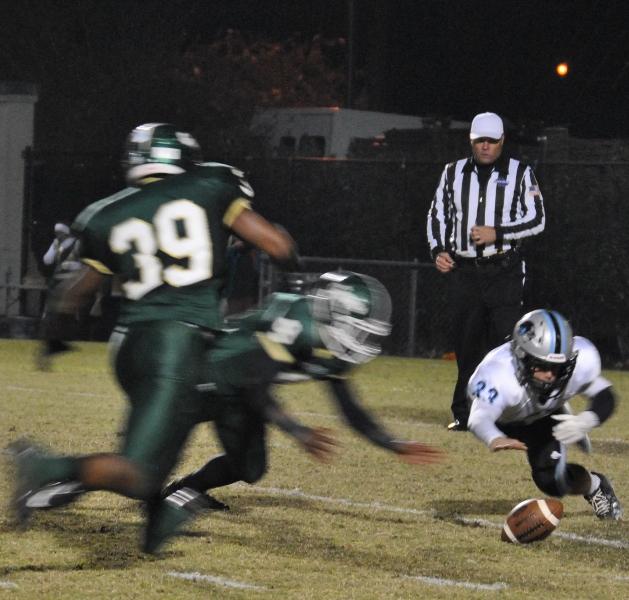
[(147, 239)]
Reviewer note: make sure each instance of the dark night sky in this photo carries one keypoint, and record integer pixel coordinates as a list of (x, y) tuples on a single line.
[(447, 57), (460, 57)]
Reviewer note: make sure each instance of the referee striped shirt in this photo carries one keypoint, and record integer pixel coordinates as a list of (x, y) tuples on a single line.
[(511, 202)]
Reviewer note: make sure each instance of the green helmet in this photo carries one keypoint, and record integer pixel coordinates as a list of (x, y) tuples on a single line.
[(352, 313), (158, 149)]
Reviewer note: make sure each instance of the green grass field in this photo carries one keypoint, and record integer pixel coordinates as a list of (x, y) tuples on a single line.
[(365, 526)]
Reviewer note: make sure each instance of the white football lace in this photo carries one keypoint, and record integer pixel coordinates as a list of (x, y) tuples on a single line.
[(600, 503)]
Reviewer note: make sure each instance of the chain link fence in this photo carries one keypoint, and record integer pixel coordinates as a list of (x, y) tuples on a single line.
[(421, 326), (371, 210)]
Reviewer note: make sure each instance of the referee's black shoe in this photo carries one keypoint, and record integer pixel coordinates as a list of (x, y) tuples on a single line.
[(457, 425)]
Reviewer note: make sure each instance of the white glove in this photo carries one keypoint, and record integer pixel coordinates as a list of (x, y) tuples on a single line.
[(572, 428)]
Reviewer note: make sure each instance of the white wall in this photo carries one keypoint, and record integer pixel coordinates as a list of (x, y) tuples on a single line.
[(17, 106)]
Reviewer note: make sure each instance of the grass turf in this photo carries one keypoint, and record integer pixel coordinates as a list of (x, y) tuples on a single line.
[(366, 526)]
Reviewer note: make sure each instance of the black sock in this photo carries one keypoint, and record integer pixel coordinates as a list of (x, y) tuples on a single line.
[(215, 473)]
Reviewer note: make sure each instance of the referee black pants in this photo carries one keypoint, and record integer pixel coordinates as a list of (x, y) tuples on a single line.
[(487, 301)]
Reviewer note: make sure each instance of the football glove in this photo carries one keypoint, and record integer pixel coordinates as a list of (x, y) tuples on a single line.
[(572, 428)]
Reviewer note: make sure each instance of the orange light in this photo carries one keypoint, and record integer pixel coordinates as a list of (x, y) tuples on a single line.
[(562, 69)]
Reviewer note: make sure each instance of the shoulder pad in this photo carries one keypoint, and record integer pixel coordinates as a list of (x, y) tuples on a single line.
[(226, 174)]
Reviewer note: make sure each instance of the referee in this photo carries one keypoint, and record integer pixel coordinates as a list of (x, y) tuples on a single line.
[(483, 207)]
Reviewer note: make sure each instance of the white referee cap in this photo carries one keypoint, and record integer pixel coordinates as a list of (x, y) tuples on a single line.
[(486, 125)]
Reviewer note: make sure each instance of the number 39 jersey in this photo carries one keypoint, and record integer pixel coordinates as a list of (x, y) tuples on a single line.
[(167, 242), (499, 398)]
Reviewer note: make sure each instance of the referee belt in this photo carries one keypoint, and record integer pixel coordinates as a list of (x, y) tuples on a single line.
[(500, 259)]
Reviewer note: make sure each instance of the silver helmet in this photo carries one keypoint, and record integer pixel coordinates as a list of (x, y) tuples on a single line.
[(352, 312), (543, 340)]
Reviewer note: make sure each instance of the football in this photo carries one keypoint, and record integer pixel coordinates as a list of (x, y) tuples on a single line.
[(532, 520)]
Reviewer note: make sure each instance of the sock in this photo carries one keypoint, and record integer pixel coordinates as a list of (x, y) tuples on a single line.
[(48, 469), (166, 517), (596, 482), (215, 473)]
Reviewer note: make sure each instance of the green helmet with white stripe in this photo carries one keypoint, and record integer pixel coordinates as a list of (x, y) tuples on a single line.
[(352, 314), (159, 149)]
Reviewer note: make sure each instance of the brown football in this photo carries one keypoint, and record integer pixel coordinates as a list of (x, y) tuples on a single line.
[(532, 520)]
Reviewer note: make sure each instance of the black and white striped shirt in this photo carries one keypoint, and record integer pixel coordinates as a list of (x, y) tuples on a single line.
[(511, 202)]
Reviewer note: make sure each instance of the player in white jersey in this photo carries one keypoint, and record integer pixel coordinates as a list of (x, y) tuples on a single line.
[(520, 393)]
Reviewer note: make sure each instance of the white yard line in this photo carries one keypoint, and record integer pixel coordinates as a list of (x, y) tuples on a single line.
[(17, 388), (296, 493), (492, 587), (213, 579), (7, 585)]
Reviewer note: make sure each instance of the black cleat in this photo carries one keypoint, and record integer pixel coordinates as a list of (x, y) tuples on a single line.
[(212, 502), (604, 501), (166, 517), (49, 349)]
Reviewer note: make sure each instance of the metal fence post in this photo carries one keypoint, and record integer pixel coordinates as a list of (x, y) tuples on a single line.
[(412, 309)]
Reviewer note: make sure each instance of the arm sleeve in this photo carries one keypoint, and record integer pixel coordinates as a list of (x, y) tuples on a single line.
[(437, 217), (482, 422), (603, 404), (264, 403), (531, 219), (358, 418)]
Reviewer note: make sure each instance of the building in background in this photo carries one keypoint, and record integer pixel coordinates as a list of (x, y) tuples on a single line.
[(330, 131), (17, 108)]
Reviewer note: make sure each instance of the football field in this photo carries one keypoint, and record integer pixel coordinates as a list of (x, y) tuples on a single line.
[(365, 526)]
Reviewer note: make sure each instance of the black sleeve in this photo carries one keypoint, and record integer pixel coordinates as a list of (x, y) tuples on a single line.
[(603, 404), (261, 400), (357, 417)]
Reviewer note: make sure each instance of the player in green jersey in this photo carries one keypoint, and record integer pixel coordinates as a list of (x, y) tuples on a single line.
[(165, 237), (292, 337)]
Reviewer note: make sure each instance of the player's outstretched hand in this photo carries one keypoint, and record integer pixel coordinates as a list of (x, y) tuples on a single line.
[(416, 453), (505, 443), (318, 442)]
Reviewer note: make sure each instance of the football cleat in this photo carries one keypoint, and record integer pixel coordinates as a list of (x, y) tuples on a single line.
[(604, 502), (212, 503), (166, 517), (48, 350), (55, 495), (22, 453), (457, 425)]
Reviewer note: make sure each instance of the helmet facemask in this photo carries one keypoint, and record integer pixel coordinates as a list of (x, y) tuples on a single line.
[(545, 390), (352, 313)]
